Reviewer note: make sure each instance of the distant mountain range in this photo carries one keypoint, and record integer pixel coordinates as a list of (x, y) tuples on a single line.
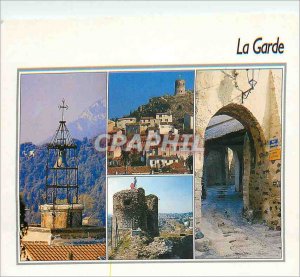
[(91, 121)]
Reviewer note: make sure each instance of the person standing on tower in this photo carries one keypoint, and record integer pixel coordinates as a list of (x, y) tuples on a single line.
[(133, 185)]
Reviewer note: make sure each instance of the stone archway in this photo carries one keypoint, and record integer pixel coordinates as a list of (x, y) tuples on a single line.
[(218, 93), (253, 160)]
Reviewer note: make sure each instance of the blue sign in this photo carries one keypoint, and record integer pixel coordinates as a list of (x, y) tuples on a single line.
[(273, 142)]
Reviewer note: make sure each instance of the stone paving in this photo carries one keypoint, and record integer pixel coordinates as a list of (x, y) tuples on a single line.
[(228, 235)]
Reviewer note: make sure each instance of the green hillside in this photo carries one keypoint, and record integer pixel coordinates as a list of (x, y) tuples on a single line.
[(91, 179), (178, 105)]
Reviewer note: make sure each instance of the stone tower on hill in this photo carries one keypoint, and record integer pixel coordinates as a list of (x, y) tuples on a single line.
[(132, 210), (180, 87)]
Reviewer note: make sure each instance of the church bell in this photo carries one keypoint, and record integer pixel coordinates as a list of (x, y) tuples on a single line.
[(61, 160)]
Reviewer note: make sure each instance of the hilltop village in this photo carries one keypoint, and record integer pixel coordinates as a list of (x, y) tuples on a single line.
[(165, 116)]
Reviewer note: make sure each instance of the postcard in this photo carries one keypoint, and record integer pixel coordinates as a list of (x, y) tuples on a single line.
[(146, 139)]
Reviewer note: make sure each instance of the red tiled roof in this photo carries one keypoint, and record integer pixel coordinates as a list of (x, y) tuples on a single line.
[(176, 165), (178, 168), (130, 170), (160, 157), (43, 252)]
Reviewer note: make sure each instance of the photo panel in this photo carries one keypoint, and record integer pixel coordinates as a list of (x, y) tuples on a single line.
[(151, 122), (62, 176), (238, 173), (150, 217)]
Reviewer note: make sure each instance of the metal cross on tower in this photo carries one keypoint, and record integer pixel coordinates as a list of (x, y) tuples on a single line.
[(62, 166), (63, 107)]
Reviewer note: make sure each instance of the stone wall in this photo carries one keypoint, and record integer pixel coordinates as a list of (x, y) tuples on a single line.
[(219, 92), (133, 210), (215, 168), (152, 214), (130, 209), (53, 236), (182, 246), (61, 216)]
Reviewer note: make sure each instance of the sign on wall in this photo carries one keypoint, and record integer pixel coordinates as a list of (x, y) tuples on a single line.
[(275, 154), (273, 142)]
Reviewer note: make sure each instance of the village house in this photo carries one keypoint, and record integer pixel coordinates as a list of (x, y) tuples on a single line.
[(160, 161), (121, 122), (153, 130), (166, 128), (143, 128), (114, 156), (164, 117), (132, 129), (110, 126), (182, 149), (149, 120)]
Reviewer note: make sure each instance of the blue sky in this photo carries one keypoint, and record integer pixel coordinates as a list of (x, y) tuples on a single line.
[(128, 90), (175, 193)]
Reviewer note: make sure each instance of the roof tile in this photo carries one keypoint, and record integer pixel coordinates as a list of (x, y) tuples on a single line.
[(42, 252)]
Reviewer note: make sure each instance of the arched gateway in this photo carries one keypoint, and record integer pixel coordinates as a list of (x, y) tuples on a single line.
[(257, 175)]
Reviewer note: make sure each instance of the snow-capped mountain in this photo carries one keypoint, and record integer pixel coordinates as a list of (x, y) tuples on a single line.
[(91, 121)]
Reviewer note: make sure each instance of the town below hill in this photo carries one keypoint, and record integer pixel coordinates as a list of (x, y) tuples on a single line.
[(162, 116)]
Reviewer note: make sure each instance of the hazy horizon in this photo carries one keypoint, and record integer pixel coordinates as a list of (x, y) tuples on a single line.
[(42, 93), (175, 194)]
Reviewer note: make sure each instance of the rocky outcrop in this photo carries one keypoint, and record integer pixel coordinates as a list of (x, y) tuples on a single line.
[(144, 247)]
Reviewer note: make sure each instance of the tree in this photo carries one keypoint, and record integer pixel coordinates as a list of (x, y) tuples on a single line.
[(135, 158), (91, 179), (88, 202), (189, 163), (125, 158), (23, 223)]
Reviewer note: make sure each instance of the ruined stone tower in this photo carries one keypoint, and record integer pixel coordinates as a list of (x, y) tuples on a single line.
[(179, 87), (130, 209), (152, 214), (133, 210)]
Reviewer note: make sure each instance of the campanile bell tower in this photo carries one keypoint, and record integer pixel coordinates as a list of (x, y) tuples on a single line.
[(61, 209)]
